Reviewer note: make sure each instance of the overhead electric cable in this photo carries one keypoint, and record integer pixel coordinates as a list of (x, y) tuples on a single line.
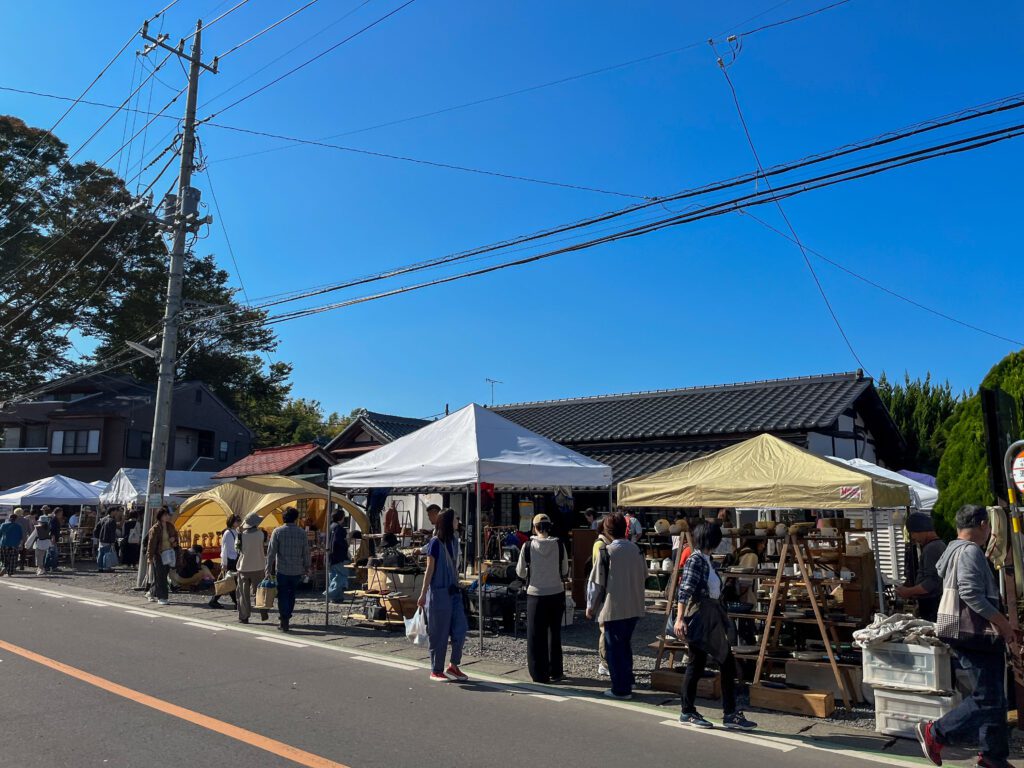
[(209, 24), (264, 31), (306, 63)]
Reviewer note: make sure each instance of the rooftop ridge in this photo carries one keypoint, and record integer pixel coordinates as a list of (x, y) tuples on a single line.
[(289, 447), (858, 374)]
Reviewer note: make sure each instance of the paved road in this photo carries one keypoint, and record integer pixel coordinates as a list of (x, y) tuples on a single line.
[(148, 689)]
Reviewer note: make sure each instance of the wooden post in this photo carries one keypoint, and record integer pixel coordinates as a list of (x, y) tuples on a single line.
[(769, 622)]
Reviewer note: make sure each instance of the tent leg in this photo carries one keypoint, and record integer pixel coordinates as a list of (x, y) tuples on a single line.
[(327, 559), (479, 568), (878, 564), (611, 507)]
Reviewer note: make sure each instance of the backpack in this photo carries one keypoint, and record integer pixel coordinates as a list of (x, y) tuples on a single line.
[(526, 557)]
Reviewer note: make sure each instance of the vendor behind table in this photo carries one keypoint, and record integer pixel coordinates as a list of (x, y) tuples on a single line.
[(927, 585)]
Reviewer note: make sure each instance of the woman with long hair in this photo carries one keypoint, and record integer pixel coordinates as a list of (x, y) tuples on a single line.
[(441, 598), (161, 549), (702, 619)]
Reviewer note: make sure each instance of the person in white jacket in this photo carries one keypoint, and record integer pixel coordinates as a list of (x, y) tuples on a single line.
[(544, 567)]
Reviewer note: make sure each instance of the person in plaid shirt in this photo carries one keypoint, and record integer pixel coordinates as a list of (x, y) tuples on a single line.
[(288, 557)]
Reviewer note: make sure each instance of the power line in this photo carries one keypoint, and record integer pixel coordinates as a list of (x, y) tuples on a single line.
[(782, 212), (206, 26), (306, 63), (419, 161), (790, 20), (879, 286), (263, 31)]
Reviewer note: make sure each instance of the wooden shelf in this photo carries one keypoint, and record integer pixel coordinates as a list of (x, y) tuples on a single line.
[(791, 660), (801, 620)]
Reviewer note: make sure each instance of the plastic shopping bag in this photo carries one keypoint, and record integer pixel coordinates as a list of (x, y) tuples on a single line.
[(416, 628)]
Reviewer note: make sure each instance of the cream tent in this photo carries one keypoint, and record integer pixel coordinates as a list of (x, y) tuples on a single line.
[(207, 512), (763, 472)]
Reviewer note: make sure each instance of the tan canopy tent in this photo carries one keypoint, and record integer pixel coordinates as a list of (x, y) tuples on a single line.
[(268, 495), (763, 472)]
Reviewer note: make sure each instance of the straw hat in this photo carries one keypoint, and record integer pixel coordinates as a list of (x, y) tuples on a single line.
[(252, 520)]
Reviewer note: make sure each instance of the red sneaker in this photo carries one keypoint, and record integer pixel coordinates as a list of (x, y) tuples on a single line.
[(454, 673), (929, 745), (437, 678), (987, 762)]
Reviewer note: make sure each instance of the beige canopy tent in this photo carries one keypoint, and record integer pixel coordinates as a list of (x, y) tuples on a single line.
[(763, 472), (268, 495)]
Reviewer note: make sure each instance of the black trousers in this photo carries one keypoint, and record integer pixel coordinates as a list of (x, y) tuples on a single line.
[(695, 670), (160, 572), (544, 614)]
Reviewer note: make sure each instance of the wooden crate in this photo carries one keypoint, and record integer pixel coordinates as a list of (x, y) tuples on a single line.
[(670, 681), (811, 703)]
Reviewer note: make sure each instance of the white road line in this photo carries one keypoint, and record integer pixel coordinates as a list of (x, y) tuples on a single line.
[(20, 589), (93, 604), (204, 626), (147, 614), (282, 642), (52, 594), (385, 663), (751, 739)]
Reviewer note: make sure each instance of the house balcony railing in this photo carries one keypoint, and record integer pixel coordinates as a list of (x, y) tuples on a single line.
[(24, 450)]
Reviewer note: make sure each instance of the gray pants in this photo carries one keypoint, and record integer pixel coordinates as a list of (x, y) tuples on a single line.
[(246, 591)]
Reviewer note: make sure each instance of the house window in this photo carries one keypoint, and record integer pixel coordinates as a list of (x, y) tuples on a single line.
[(222, 452), (75, 442), (35, 436), (12, 437), (139, 444), (204, 445)]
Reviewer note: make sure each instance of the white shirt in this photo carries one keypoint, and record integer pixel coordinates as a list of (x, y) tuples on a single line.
[(228, 550), (73, 521)]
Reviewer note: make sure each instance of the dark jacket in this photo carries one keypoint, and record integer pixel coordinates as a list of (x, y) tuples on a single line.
[(106, 530), (339, 544)]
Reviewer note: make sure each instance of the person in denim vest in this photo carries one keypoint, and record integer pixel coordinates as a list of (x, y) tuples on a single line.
[(442, 600)]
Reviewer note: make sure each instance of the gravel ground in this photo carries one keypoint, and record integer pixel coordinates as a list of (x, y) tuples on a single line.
[(579, 641)]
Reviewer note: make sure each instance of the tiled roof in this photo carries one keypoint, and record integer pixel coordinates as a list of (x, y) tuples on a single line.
[(269, 461), (632, 461), (391, 427), (779, 405)]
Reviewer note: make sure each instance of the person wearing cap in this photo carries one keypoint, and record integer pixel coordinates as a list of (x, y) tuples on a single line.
[(252, 563), (982, 654), (927, 586), (544, 567), (10, 542)]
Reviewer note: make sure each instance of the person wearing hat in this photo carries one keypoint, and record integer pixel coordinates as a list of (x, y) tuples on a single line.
[(927, 586), (252, 562), (544, 567)]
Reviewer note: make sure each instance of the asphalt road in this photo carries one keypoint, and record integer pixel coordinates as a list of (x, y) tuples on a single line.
[(158, 691)]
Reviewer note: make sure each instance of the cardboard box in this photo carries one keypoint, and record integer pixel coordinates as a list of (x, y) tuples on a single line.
[(812, 703)]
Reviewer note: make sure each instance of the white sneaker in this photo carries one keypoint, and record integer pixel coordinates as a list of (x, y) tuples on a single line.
[(163, 602), (150, 599), (602, 670)]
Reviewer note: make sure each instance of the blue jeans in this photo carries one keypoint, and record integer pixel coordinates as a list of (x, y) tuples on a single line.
[(984, 713), (286, 586), (101, 555), (446, 619), (338, 582), (618, 643)]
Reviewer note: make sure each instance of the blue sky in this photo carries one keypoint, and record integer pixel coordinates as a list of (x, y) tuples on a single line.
[(716, 301)]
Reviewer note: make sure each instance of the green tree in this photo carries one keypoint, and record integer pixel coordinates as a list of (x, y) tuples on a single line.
[(919, 409), (300, 421), (963, 476)]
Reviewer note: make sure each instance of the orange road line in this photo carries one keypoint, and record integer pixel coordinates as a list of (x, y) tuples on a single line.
[(257, 740)]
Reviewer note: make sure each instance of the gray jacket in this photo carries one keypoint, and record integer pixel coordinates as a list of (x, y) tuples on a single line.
[(615, 589), (547, 569), (974, 579)]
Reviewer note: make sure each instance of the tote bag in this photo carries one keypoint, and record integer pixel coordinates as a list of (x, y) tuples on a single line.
[(956, 624)]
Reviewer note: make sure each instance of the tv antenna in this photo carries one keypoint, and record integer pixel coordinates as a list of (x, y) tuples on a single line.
[(492, 382)]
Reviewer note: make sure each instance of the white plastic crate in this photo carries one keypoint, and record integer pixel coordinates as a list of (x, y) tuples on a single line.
[(908, 667), (897, 712)]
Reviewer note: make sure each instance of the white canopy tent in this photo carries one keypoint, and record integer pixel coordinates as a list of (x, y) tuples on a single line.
[(101, 484), (472, 446), (57, 489), (922, 497), (129, 486)]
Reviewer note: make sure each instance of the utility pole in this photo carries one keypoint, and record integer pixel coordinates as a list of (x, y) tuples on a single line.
[(182, 217)]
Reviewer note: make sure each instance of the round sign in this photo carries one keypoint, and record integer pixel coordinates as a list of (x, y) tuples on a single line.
[(1018, 471)]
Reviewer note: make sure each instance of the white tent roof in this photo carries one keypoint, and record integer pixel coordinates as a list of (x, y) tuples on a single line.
[(922, 497), (51, 490), (471, 445), (130, 485), (101, 484)]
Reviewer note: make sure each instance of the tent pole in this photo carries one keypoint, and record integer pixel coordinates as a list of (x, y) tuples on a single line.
[(611, 508), (878, 564), (327, 558), (479, 567)]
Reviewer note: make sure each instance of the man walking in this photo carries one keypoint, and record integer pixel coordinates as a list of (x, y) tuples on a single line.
[(10, 543), (106, 534), (927, 586), (981, 649), (288, 556)]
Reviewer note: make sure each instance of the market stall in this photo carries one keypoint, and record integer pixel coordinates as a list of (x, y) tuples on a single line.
[(464, 450), (56, 490), (130, 485), (815, 563)]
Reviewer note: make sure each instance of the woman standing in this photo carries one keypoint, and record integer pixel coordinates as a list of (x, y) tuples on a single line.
[(161, 551), (701, 618), (131, 539), (442, 599), (615, 597), (39, 542), (228, 555), (252, 562), (543, 566)]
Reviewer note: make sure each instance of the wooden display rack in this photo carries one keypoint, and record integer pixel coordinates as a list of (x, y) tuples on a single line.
[(795, 550)]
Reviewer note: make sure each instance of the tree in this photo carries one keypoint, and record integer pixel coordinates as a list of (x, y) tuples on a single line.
[(919, 409), (301, 421), (963, 476)]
